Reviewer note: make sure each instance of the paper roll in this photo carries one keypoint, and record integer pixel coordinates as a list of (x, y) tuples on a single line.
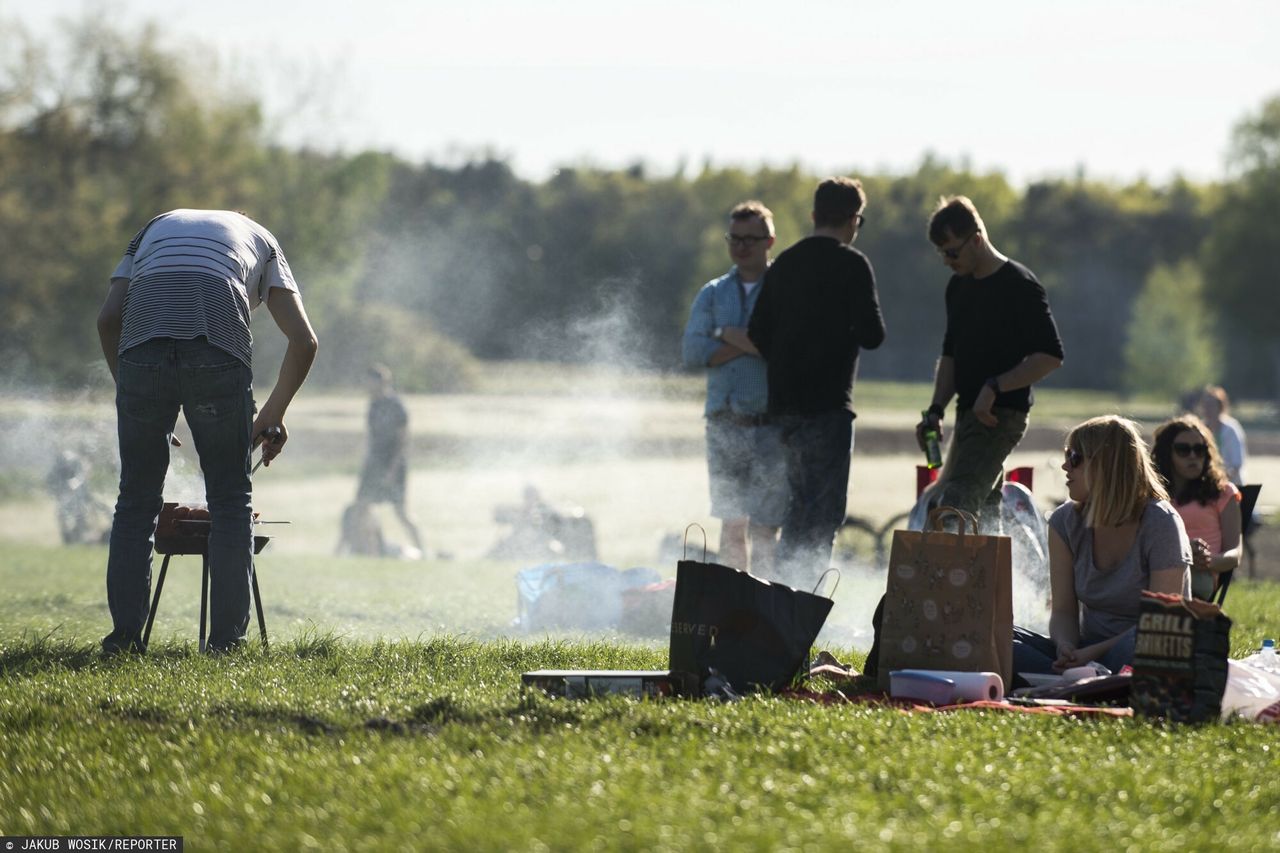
[(972, 686)]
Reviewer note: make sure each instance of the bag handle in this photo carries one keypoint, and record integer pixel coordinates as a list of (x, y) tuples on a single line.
[(822, 577), (704, 540), (938, 514)]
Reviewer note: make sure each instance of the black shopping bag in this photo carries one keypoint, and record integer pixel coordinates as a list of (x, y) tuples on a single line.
[(755, 633), (1180, 659)]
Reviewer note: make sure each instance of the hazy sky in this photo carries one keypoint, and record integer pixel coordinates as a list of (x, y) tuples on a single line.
[(1034, 88)]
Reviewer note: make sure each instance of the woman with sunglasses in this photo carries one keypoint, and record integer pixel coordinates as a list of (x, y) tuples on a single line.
[(1187, 457), (1116, 536)]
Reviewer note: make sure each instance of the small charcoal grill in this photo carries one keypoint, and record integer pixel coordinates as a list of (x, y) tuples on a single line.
[(185, 530)]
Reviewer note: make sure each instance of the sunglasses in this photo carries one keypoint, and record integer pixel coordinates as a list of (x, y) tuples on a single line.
[(1183, 449), (1074, 457), (954, 252), (747, 240)]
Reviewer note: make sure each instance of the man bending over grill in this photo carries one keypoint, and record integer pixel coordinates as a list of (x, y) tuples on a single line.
[(175, 334)]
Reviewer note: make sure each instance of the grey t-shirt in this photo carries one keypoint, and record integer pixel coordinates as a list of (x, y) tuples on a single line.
[(1109, 600)]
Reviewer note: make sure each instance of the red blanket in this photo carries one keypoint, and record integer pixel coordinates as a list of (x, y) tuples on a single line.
[(1042, 706)]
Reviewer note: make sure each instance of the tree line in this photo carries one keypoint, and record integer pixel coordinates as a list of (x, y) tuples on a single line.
[(434, 268)]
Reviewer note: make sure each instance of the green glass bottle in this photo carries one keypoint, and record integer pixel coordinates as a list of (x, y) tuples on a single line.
[(932, 447)]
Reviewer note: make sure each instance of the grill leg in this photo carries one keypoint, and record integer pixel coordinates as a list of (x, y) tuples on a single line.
[(155, 602), (204, 596), (257, 600)]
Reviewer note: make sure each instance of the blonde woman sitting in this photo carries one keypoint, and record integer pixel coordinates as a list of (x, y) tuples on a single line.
[(1116, 536)]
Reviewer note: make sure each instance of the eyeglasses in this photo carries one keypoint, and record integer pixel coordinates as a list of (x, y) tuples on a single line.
[(859, 219), (1074, 458), (747, 240), (1183, 449), (954, 252)]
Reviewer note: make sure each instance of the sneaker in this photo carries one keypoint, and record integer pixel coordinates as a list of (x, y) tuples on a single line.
[(227, 648), (114, 644)]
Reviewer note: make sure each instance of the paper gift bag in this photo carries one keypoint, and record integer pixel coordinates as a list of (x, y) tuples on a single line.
[(948, 600), (1179, 659), (755, 633)]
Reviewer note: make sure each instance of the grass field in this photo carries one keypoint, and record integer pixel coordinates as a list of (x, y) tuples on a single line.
[(388, 713), (429, 743)]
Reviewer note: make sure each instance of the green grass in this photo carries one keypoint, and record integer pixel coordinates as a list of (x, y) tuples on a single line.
[(340, 741)]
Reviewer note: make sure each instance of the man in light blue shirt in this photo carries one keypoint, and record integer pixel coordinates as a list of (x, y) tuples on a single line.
[(745, 462)]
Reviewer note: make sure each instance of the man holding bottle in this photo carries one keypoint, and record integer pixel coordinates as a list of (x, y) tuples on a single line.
[(1000, 339)]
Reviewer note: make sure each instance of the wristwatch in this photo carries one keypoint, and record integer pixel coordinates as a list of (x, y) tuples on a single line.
[(993, 384), (718, 333)]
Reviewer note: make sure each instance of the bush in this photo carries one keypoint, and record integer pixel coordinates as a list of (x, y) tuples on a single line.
[(1172, 341), (421, 359)]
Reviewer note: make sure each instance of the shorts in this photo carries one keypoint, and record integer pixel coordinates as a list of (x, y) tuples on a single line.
[(747, 470)]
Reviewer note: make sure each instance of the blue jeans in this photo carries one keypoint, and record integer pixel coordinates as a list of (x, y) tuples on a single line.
[(214, 390), (817, 449), (1034, 652)]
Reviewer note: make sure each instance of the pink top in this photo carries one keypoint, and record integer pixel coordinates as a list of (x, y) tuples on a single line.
[(1203, 521)]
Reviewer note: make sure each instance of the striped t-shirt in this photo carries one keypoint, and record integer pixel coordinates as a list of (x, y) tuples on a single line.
[(196, 273)]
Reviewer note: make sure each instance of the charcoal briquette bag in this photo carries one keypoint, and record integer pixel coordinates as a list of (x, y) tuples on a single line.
[(1180, 659)]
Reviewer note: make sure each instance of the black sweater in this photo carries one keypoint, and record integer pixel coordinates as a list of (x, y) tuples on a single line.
[(817, 308), (993, 323)]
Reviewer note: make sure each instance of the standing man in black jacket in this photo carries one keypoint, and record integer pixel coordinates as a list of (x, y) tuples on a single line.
[(818, 307), (1000, 338)]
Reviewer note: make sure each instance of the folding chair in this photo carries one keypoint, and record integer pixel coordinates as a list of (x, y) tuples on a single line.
[(1248, 500)]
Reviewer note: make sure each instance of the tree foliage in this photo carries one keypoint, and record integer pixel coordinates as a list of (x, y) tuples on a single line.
[(1239, 258), (109, 127), (1172, 342)]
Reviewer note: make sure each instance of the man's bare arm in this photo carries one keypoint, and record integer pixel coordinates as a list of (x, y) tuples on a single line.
[(1029, 371), (111, 321), (737, 336), (944, 388), (286, 309), (944, 381)]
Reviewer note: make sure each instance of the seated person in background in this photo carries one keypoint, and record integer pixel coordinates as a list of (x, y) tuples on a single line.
[(362, 536), (1186, 456), (1114, 538), (361, 532), (1226, 430)]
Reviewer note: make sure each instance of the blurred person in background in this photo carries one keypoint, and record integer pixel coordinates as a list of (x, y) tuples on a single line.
[(818, 308), (1186, 457), (744, 450), (1000, 339), (175, 334), (1115, 536), (384, 477), (1213, 408)]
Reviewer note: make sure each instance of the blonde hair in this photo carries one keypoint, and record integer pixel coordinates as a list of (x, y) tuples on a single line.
[(1122, 480)]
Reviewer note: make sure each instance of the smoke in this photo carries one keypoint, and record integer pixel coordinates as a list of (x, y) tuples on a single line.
[(598, 433)]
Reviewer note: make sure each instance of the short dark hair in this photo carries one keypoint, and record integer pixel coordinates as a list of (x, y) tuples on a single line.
[(752, 209), (836, 201), (955, 216)]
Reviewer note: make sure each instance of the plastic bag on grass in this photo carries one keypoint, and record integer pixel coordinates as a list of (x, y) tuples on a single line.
[(1252, 692)]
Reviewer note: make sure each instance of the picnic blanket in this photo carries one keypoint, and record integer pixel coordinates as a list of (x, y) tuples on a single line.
[(909, 706)]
